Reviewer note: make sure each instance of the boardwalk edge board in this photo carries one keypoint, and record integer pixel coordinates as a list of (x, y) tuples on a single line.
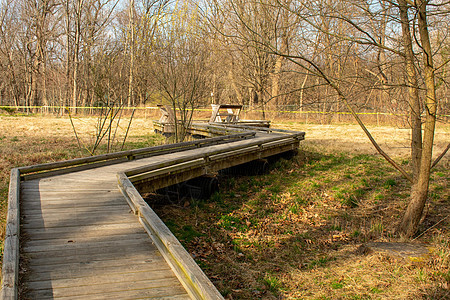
[(10, 267), (188, 272)]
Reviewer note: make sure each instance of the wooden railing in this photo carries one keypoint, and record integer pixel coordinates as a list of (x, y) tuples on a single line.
[(209, 158)]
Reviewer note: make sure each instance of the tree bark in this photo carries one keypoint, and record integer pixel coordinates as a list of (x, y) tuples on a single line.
[(410, 222), (131, 82), (64, 100), (302, 92), (413, 92), (78, 12), (276, 80), (240, 98)]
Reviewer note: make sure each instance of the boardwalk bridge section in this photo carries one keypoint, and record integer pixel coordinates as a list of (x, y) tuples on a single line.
[(79, 229)]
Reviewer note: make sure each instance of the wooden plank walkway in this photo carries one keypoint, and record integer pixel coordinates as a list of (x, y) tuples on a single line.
[(79, 239)]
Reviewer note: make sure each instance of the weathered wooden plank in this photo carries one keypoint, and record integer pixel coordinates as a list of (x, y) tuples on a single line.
[(55, 172), (90, 255), (86, 230), (30, 213), (60, 193), (86, 197), (230, 154), (82, 271), (49, 209), (72, 204), (69, 178), (44, 238), (74, 248), (62, 188), (74, 162), (76, 213), (169, 169), (161, 164), (54, 197), (148, 291), (100, 220), (99, 279), (154, 261), (83, 240), (279, 143), (82, 203), (10, 266), (151, 184)]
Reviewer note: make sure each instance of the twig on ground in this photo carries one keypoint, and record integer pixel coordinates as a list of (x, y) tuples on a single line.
[(429, 229)]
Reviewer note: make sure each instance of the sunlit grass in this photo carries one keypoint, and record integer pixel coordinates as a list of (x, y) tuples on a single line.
[(301, 225)]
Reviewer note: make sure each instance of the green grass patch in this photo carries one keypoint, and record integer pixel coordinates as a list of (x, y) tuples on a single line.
[(273, 283)]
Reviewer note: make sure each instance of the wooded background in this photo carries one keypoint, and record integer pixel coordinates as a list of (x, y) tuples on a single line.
[(82, 53)]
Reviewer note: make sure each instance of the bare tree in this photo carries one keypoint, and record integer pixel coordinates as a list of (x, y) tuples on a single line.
[(131, 43), (8, 35), (350, 24), (179, 66)]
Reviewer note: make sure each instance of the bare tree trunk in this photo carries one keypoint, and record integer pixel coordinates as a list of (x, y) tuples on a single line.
[(15, 88), (78, 12), (413, 92), (276, 80), (239, 97), (67, 82), (130, 82), (413, 214), (302, 92)]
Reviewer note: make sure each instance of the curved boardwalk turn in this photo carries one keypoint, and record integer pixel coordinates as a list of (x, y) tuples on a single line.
[(79, 238)]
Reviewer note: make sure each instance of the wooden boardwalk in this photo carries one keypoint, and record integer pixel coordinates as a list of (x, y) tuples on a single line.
[(83, 237), (82, 241)]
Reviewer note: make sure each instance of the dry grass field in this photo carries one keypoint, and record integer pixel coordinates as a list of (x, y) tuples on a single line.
[(297, 232)]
